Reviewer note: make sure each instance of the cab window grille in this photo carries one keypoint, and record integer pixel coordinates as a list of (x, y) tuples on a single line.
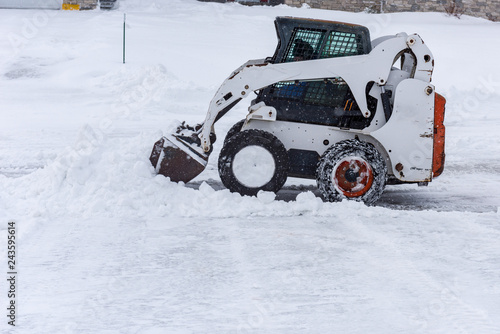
[(326, 93), (289, 90), (327, 102), (304, 44), (341, 44), (329, 93)]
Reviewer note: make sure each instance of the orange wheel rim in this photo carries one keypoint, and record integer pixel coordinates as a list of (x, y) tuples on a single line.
[(352, 176)]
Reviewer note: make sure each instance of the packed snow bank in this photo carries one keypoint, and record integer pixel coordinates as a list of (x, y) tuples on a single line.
[(101, 176)]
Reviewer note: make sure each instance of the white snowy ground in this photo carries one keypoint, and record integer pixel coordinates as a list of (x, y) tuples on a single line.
[(105, 246)]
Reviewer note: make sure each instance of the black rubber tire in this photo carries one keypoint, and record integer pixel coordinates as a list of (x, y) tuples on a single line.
[(234, 130), (329, 174), (245, 139)]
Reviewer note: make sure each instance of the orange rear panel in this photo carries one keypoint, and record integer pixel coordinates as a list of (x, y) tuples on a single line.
[(439, 131)]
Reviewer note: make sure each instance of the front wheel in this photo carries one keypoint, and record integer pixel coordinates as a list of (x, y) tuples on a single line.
[(351, 169), (236, 128), (253, 160)]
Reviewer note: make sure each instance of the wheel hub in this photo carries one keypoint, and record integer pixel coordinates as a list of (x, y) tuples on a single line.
[(254, 166), (352, 176)]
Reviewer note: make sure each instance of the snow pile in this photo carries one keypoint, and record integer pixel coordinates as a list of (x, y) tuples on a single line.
[(98, 177)]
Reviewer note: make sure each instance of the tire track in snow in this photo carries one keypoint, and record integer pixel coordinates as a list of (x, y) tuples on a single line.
[(446, 305), (80, 264)]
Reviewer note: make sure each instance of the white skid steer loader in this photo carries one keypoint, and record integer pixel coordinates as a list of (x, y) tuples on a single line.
[(331, 105)]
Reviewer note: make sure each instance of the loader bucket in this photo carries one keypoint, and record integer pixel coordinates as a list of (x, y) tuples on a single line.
[(174, 158)]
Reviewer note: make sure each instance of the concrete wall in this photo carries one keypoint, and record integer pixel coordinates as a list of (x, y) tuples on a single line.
[(489, 9)]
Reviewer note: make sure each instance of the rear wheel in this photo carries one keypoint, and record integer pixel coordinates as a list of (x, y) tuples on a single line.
[(253, 160), (351, 169)]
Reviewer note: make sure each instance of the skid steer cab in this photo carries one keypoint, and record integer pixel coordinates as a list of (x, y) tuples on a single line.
[(332, 105)]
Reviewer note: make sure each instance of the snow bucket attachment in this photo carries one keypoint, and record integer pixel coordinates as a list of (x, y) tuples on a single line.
[(175, 157)]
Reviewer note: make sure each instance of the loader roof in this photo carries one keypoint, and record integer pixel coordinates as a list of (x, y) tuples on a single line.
[(318, 21)]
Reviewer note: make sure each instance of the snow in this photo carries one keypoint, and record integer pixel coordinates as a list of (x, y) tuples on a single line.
[(107, 246)]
